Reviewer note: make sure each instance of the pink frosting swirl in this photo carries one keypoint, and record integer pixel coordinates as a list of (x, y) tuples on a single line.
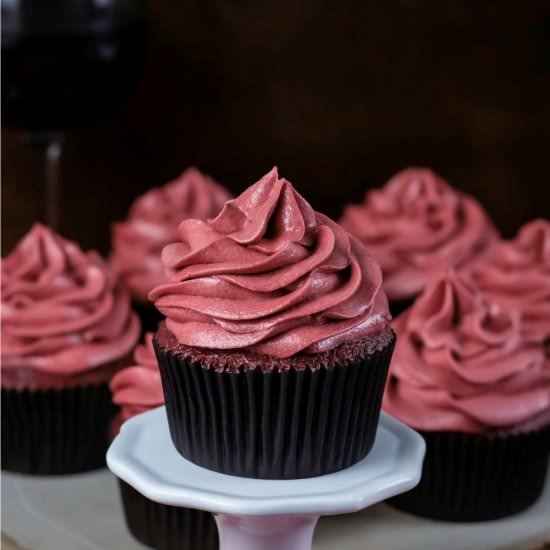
[(461, 364), (138, 388), (417, 225), (152, 224), (62, 312), (270, 274), (517, 275)]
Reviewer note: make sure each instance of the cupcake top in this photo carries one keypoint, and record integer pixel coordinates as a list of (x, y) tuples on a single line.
[(417, 225), (461, 364), (270, 275), (63, 315), (152, 223), (138, 388), (517, 274)]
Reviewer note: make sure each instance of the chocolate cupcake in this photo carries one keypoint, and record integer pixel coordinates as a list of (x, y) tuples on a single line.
[(137, 389), (416, 226), (517, 275), (152, 223), (67, 328), (466, 378), (277, 341)]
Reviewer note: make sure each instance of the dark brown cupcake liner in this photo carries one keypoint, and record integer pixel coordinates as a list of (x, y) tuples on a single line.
[(166, 527), (51, 432), (474, 477), (149, 316), (274, 425)]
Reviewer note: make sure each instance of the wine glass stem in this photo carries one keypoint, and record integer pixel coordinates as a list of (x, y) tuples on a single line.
[(53, 176)]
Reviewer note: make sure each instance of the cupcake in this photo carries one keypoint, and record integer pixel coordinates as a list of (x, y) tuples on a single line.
[(152, 223), (416, 226), (67, 328), (517, 275), (137, 389), (478, 391), (276, 345)]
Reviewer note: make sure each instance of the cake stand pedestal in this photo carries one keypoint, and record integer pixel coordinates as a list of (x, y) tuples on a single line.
[(263, 514)]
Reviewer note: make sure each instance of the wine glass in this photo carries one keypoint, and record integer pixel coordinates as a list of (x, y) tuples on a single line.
[(65, 63)]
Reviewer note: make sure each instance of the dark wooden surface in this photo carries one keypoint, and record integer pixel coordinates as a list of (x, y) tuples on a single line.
[(338, 94)]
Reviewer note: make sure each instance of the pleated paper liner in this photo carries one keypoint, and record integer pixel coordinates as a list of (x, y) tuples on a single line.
[(274, 425), (167, 527), (471, 477), (51, 432)]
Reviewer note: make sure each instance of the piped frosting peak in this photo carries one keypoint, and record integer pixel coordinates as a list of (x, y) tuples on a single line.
[(271, 275)]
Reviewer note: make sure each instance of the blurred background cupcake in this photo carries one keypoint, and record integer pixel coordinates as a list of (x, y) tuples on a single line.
[(415, 226), (467, 378), (151, 224), (67, 327), (517, 275), (137, 389), (277, 341)]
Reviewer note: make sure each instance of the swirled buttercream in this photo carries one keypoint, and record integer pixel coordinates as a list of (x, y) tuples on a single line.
[(517, 275), (138, 388), (270, 274), (152, 223), (62, 311), (461, 364), (417, 225)]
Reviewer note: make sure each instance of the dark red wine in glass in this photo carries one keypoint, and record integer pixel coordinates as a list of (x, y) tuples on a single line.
[(65, 63)]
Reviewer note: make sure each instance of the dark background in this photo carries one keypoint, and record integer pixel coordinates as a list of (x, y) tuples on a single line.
[(338, 94)]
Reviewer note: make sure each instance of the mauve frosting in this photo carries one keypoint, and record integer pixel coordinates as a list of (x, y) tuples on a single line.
[(517, 275), (417, 225), (62, 313), (138, 388), (461, 364), (152, 223), (270, 275)]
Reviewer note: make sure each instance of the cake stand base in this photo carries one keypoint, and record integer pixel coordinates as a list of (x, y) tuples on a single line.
[(263, 514), (265, 532)]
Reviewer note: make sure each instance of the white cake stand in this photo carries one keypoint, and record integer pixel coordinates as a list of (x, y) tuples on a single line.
[(259, 514)]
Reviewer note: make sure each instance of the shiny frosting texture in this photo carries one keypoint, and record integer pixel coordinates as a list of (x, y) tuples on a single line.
[(152, 223), (461, 364), (138, 388), (517, 274), (62, 312), (417, 225), (271, 275)]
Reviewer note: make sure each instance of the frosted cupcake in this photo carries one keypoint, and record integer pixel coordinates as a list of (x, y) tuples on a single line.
[(152, 223), (416, 226), (67, 328), (517, 275), (137, 389), (277, 341), (478, 391)]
